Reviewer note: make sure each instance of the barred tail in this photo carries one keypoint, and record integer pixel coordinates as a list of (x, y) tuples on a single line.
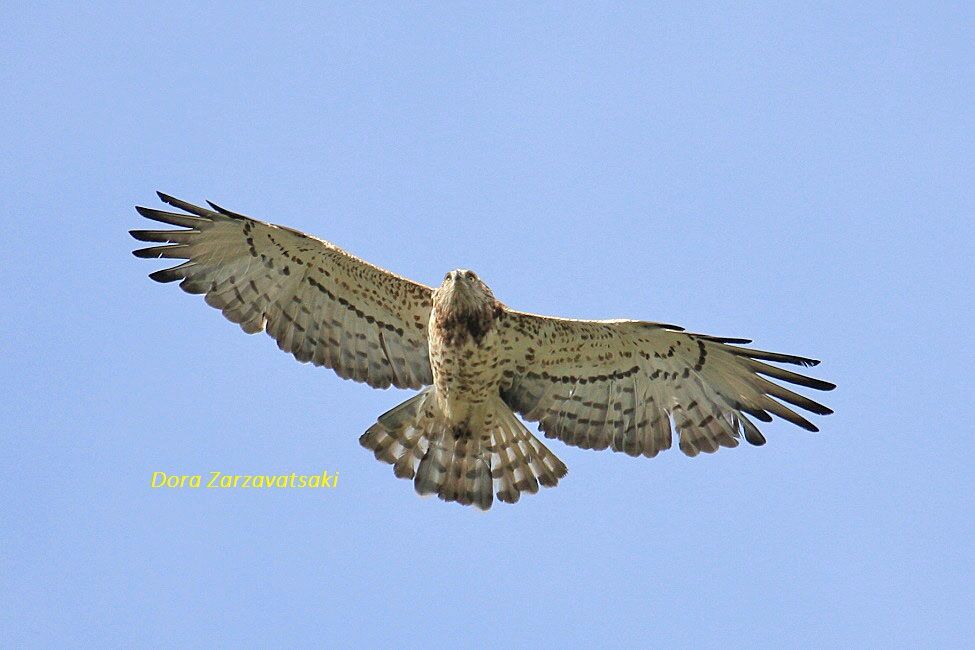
[(396, 439), (519, 460), (460, 464)]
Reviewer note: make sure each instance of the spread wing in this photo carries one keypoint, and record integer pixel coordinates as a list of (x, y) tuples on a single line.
[(318, 302), (627, 385)]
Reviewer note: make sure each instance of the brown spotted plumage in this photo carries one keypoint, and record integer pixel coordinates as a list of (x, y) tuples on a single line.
[(623, 385)]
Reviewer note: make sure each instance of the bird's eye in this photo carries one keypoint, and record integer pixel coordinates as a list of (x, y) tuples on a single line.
[(470, 275), (446, 277)]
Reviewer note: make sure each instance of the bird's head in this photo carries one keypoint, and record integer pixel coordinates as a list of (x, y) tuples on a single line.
[(462, 291)]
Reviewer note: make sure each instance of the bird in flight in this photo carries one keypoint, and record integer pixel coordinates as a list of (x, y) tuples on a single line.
[(625, 385)]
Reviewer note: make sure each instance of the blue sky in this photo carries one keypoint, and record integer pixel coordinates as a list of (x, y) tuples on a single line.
[(800, 176)]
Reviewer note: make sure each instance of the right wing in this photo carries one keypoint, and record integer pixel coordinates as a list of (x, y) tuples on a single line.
[(318, 302)]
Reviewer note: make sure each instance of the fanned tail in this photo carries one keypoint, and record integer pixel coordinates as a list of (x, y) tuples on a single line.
[(457, 463)]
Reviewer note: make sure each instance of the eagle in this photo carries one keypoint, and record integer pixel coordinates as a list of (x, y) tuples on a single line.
[(624, 385)]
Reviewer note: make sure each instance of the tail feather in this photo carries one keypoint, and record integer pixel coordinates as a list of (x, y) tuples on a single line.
[(545, 465), (521, 461), (454, 471), (395, 440), (459, 465), (432, 471)]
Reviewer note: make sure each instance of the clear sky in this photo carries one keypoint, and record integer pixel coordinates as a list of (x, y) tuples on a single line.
[(800, 176)]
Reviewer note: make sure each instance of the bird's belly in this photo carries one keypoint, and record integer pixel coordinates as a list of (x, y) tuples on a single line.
[(465, 375)]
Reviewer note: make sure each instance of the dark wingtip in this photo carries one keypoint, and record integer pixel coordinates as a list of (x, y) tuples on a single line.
[(752, 435), (818, 384), (225, 212), (165, 275), (758, 414), (170, 200), (726, 339)]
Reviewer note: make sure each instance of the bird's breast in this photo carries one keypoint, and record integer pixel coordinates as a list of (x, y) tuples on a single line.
[(465, 372)]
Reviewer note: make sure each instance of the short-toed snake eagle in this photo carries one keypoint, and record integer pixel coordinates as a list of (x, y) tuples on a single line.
[(625, 385)]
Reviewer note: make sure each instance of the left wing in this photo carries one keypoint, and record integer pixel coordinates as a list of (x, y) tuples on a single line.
[(318, 302), (626, 384)]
